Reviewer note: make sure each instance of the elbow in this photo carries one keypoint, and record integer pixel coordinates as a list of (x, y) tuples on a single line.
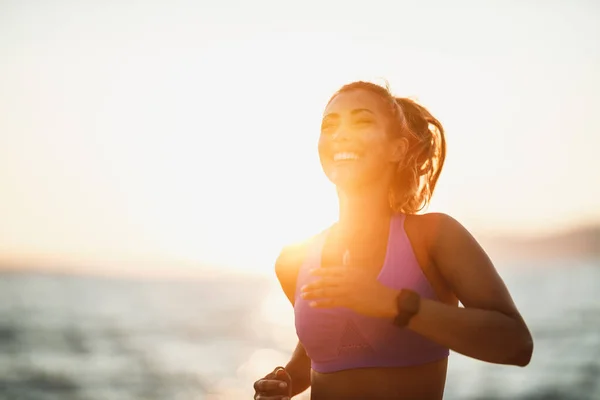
[(522, 345), (522, 356), (526, 353)]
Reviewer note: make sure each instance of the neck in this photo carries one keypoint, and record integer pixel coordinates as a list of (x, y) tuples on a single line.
[(363, 209)]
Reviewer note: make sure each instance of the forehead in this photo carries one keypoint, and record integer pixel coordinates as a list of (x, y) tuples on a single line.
[(356, 99)]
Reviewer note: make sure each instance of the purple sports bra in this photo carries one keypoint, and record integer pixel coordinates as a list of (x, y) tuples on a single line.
[(337, 338)]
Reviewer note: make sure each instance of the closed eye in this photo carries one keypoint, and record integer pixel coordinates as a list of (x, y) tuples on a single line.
[(325, 126)]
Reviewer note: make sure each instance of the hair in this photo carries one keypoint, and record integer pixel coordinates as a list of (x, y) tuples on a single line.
[(418, 172)]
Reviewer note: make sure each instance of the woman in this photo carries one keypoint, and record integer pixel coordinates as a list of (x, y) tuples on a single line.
[(376, 295)]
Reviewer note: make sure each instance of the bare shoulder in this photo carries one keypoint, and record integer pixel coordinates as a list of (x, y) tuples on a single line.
[(436, 229), (292, 256), (433, 220), (465, 265), (288, 263), (425, 232)]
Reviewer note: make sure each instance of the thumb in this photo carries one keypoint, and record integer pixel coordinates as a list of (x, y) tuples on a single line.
[(281, 373)]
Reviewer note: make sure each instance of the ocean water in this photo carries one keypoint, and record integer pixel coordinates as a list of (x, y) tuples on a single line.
[(73, 337)]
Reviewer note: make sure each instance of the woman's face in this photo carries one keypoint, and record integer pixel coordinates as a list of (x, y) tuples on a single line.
[(354, 147)]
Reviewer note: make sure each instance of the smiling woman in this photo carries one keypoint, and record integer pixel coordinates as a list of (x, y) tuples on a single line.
[(376, 295)]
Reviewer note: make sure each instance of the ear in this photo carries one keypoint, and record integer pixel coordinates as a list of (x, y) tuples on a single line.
[(399, 147)]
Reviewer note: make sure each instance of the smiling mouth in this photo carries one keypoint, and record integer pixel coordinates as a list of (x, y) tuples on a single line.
[(345, 156)]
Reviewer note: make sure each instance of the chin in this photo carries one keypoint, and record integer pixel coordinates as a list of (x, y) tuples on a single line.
[(348, 183), (353, 182)]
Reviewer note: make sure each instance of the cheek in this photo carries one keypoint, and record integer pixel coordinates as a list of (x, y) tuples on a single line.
[(376, 150), (374, 140), (377, 161), (321, 143), (323, 147)]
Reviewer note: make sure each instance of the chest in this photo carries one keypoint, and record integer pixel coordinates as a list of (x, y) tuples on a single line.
[(367, 248)]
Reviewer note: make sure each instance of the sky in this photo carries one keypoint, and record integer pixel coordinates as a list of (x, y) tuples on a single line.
[(188, 129)]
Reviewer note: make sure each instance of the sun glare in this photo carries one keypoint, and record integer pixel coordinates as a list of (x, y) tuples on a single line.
[(151, 141), (226, 195)]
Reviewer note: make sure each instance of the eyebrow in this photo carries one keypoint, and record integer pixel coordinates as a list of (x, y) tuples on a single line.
[(353, 112)]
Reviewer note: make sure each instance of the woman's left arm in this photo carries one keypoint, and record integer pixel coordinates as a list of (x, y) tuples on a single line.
[(489, 327)]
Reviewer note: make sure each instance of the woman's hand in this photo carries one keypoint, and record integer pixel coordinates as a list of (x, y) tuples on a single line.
[(275, 386), (351, 287)]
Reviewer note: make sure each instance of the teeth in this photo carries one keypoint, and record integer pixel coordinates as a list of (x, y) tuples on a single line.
[(345, 156)]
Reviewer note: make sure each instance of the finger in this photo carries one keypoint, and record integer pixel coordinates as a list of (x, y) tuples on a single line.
[(325, 303), (323, 293), (277, 397), (270, 386), (322, 282), (329, 271), (274, 375), (282, 375)]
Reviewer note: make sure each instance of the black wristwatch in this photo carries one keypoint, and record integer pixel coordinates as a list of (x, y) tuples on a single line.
[(407, 303)]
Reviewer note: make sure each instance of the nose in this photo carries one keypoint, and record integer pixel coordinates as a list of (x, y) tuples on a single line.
[(341, 134)]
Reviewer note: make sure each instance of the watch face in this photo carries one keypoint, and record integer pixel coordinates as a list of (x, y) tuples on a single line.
[(410, 301), (408, 305)]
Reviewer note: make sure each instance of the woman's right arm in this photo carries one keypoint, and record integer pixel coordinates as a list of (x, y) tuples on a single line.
[(286, 268), (298, 368)]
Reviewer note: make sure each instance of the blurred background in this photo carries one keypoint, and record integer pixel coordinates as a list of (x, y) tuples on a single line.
[(155, 156)]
